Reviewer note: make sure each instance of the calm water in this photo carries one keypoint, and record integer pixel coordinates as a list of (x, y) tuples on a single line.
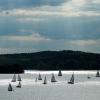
[(83, 89)]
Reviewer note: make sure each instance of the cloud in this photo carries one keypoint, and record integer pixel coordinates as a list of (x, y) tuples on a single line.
[(35, 37), (66, 9), (50, 25), (96, 1), (16, 50), (29, 19), (84, 42), (14, 4), (30, 46)]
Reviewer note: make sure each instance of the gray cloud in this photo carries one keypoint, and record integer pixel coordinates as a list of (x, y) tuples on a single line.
[(12, 4)]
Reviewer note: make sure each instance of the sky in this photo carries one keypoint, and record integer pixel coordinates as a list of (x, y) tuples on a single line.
[(40, 25)]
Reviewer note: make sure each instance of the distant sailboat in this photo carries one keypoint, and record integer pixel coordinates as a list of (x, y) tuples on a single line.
[(10, 87), (39, 77), (19, 85), (60, 73), (88, 76), (14, 78), (36, 79), (45, 80), (72, 79), (19, 78), (97, 74), (53, 78)]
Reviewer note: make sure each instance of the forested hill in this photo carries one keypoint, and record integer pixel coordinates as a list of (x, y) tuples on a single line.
[(52, 60)]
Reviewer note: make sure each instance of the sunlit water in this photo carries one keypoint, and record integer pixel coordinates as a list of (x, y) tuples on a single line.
[(83, 89)]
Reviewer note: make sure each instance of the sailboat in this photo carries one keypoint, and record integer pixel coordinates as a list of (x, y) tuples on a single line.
[(45, 80), (53, 78), (60, 73), (72, 79), (10, 87), (36, 79), (19, 85), (19, 78), (97, 74), (88, 76), (14, 78), (39, 77)]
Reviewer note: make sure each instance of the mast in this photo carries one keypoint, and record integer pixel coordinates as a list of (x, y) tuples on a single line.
[(53, 78), (14, 78)]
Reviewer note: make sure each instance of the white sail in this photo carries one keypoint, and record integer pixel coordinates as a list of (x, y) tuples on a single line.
[(10, 87), (60, 73), (45, 80), (39, 77), (14, 78), (53, 78), (19, 85), (19, 78)]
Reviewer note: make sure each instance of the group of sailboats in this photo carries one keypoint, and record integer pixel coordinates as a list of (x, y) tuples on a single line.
[(45, 79), (14, 79), (40, 78), (97, 75), (71, 79), (53, 79)]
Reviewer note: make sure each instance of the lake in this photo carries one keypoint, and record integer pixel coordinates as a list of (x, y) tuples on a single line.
[(83, 89)]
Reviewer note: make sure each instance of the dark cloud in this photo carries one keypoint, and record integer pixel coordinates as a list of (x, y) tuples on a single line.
[(11, 4)]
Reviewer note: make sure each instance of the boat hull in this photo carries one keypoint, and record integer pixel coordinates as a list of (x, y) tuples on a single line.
[(70, 82)]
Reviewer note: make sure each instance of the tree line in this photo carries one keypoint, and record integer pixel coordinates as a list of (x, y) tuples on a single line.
[(51, 60)]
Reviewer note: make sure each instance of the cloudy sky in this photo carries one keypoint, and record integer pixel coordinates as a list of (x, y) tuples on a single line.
[(37, 25)]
